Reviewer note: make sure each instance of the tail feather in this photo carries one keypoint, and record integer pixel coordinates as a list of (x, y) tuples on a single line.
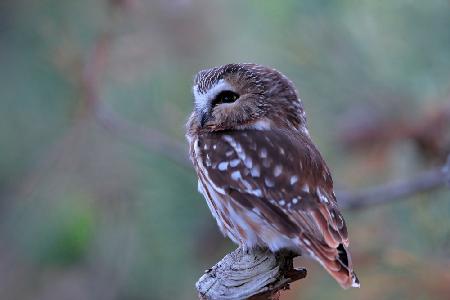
[(336, 261)]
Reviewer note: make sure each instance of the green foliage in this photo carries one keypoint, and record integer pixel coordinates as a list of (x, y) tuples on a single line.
[(58, 233)]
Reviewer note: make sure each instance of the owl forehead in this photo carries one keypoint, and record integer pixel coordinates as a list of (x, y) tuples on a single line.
[(208, 79)]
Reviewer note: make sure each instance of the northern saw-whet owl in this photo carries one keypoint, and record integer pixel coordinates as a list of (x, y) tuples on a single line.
[(263, 178)]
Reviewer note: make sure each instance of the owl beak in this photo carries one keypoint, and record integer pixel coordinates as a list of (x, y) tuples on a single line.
[(204, 117)]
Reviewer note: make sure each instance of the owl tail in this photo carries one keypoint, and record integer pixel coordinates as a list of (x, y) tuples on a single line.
[(337, 262)]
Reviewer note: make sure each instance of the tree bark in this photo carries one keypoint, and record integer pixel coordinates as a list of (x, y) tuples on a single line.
[(256, 275)]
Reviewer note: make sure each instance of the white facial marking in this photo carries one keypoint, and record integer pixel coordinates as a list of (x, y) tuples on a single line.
[(202, 99), (282, 202), (295, 200)]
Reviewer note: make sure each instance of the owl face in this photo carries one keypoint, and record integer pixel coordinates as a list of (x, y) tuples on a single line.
[(237, 96)]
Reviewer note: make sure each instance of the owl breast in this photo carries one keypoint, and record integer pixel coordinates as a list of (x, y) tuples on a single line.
[(245, 226)]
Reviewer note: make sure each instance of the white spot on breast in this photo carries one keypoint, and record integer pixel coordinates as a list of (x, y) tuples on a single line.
[(214, 146), (256, 192), (206, 147), (234, 162), (305, 188), (248, 162), (236, 175), (223, 166), (282, 202), (263, 153), (237, 147), (277, 170), (268, 182), (255, 171), (208, 160), (294, 179), (295, 200)]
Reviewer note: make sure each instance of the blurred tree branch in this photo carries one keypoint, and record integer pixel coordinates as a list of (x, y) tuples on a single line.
[(392, 191), (150, 138), (175, 150)]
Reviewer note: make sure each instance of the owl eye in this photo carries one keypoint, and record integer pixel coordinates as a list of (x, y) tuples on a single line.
[(225, 97)]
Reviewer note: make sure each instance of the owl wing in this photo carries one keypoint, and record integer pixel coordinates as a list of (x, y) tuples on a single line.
[(282, 176)]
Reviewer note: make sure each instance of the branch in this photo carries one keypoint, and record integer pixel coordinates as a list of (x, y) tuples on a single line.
[(389, 192), (259, 275)]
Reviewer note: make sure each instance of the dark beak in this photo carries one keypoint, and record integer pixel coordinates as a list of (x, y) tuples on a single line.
[(204, 117)]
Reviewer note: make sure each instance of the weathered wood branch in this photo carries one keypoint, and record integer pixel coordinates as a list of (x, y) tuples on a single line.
[(257, 275)]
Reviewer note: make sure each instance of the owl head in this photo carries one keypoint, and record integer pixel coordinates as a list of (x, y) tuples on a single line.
[(241, 96)]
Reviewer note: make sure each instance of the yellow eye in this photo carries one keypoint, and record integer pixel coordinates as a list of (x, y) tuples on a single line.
[(225, 97)]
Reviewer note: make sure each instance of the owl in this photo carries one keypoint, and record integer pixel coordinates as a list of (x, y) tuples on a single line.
[(263, 178)]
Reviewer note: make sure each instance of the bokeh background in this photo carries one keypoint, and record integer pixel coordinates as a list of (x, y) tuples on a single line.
[(96, 198)]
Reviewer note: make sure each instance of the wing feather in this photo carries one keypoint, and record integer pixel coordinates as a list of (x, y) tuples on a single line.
[(286, 175), (280, 176)]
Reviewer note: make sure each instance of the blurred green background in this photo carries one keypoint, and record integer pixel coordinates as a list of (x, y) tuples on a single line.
[(90, 211)]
